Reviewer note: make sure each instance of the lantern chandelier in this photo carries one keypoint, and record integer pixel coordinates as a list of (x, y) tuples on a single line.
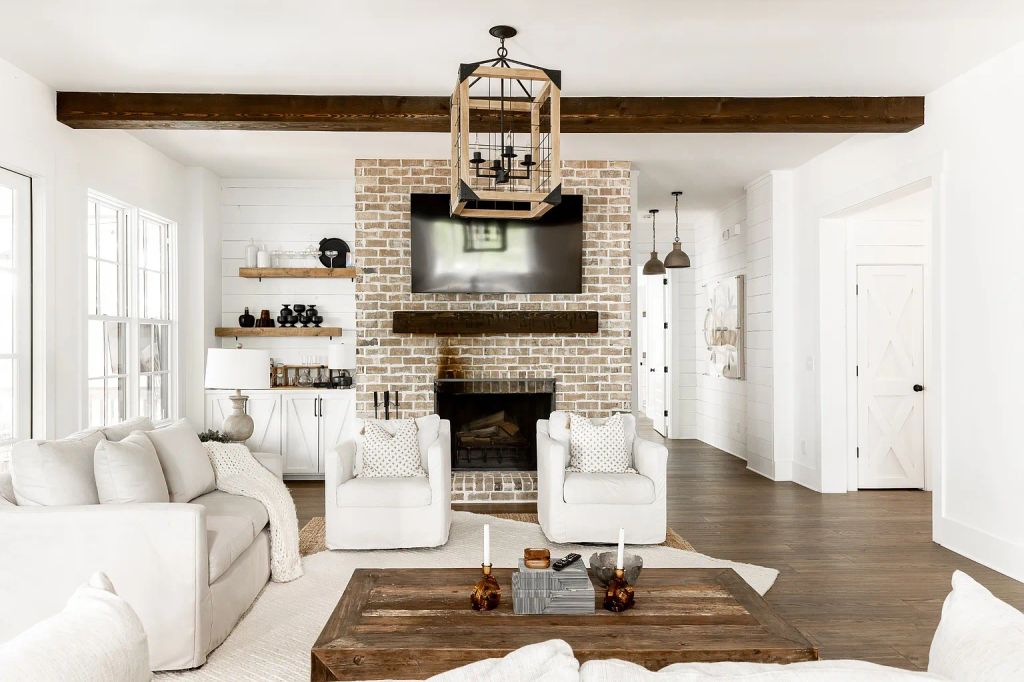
[(506, 159)]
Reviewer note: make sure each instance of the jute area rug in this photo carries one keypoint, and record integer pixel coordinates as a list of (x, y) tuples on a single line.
[(311, 537)]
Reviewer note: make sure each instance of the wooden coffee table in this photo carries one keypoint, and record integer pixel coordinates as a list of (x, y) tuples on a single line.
[(414, 623)]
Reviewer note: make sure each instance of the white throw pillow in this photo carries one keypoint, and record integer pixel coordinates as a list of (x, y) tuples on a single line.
[(128, 471), (558, 427), (550, 661), (184, 461), (96, 638), (979, 636), (614, 670), (55, 472), (124, 429), (598, 449), (390, 451)]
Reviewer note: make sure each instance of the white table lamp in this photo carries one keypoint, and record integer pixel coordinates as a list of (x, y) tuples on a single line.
[(341, 356), (238, 369)]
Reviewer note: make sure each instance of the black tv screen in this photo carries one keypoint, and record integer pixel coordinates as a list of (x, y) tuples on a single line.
[(452, 255)]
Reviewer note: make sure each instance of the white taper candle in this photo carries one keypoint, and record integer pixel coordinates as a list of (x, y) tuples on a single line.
[(487, 543), (622, 540)]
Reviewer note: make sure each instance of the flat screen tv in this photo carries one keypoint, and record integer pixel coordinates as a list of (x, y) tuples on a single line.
[(486, 255)]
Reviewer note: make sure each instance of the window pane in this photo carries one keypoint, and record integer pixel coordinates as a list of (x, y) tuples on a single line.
[(116, 400), (152, 238), (6, 227), (110, 290), (7, 321), (7, 430), (161, 402), (91, 284), (91, 231), (146, 349), (145, 396), (109, 232), (97, 412), (116, 346), (95, 350), (154, 296), (161, 336)]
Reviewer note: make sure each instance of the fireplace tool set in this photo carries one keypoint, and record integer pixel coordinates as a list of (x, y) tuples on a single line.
[(384, 399)]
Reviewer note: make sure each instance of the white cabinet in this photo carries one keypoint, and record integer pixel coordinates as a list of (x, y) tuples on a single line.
[(301, 425)]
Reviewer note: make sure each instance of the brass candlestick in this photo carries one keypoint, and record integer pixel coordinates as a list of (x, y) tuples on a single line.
[(619, 595), (487, 592)]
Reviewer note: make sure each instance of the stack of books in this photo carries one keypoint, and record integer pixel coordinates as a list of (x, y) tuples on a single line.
[(538, 591)]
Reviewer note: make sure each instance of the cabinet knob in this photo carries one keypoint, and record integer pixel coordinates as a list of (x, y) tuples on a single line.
[(918, 388)]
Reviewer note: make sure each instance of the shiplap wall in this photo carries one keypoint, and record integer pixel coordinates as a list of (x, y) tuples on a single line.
[(758, 236), (721, 404), (288, 215)]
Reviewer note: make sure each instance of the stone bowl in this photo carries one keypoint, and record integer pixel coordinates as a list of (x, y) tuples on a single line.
[(603, 566)]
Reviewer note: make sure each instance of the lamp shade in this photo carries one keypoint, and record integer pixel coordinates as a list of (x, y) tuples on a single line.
[(341, 356), (237, 368)]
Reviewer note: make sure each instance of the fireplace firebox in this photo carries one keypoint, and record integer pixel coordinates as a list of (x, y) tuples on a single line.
[(494, 421)]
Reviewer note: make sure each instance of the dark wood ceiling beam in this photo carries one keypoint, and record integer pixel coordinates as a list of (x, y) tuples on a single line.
[(388, 113)]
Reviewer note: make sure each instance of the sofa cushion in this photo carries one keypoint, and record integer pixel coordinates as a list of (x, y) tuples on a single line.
[(6, 484), (184, 461), (812, 671), (55, 472), (124, 429), (390, 450), (587, 488), (410, 491), (128, 471), (96, 638), (232, 523), (979, 636)]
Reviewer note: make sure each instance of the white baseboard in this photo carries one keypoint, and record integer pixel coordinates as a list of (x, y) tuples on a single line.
[(997, 553), (806, 476)]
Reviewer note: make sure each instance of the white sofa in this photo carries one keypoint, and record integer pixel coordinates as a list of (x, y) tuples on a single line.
[(575, 506), (189, 570), (390, 513)]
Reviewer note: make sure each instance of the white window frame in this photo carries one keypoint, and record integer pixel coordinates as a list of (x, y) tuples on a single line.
[(132, 220), (21, 354)]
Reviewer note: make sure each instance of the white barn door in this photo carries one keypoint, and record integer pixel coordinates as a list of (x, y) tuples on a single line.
[(890, 376), (656, 353)]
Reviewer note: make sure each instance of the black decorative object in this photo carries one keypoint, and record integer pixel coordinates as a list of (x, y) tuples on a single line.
[(265, 321), (334, 244), (246, 319), (286, 318)]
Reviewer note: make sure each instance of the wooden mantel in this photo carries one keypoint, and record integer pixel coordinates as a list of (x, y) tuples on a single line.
[(392, 113), (495, 322)]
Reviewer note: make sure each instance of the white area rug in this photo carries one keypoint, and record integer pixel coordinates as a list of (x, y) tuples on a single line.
[(273, 640)]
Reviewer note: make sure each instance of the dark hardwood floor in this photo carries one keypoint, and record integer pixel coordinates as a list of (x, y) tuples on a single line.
[(859, 574)]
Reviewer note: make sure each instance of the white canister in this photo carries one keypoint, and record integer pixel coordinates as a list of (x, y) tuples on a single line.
[(250, 254), (263, 257)]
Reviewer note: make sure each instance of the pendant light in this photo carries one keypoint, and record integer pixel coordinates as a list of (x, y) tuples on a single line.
[(654, 266), (677, 258)]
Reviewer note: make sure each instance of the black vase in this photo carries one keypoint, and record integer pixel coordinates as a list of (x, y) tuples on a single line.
[(285, 317), (246, 320)]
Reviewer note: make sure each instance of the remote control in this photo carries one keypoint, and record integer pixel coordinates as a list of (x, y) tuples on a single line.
[(565, 561)]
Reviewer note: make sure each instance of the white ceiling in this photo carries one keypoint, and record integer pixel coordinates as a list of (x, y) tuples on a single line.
[(710, 168), (657, 47), (654, 47)]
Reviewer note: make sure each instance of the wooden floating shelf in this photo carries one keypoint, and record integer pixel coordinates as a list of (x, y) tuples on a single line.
[(277, 331), (298, 273), (495, 322)]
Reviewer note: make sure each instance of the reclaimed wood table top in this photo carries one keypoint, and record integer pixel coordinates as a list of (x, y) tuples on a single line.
[(414, 623)]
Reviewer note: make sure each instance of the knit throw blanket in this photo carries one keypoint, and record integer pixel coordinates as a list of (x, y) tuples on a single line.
[(239, 473)]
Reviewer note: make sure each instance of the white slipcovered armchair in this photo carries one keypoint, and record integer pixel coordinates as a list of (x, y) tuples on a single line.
[(575, 506), (390, 513)]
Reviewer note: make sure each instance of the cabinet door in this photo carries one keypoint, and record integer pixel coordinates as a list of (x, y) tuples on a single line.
[(265, 410), (337, 412), (301, 434)]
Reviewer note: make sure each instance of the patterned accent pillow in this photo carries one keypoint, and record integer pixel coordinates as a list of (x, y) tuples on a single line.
[(391, 455), (598, 449)]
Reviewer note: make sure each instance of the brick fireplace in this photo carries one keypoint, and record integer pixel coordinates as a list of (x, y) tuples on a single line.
[(592, 369)]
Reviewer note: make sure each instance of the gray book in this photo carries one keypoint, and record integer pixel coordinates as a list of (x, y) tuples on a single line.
[(546, 591)]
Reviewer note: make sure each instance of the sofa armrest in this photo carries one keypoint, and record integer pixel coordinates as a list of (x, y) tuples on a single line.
[(339, 466), (651, 460), (439, 462), (552, 458), (155, 555)]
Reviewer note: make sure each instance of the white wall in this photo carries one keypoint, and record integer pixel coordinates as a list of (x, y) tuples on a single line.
[(288, 215), (64, 165), (969, 149), (721, 404)]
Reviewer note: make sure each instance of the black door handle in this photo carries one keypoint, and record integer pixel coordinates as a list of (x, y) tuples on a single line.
[(918, 388)]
